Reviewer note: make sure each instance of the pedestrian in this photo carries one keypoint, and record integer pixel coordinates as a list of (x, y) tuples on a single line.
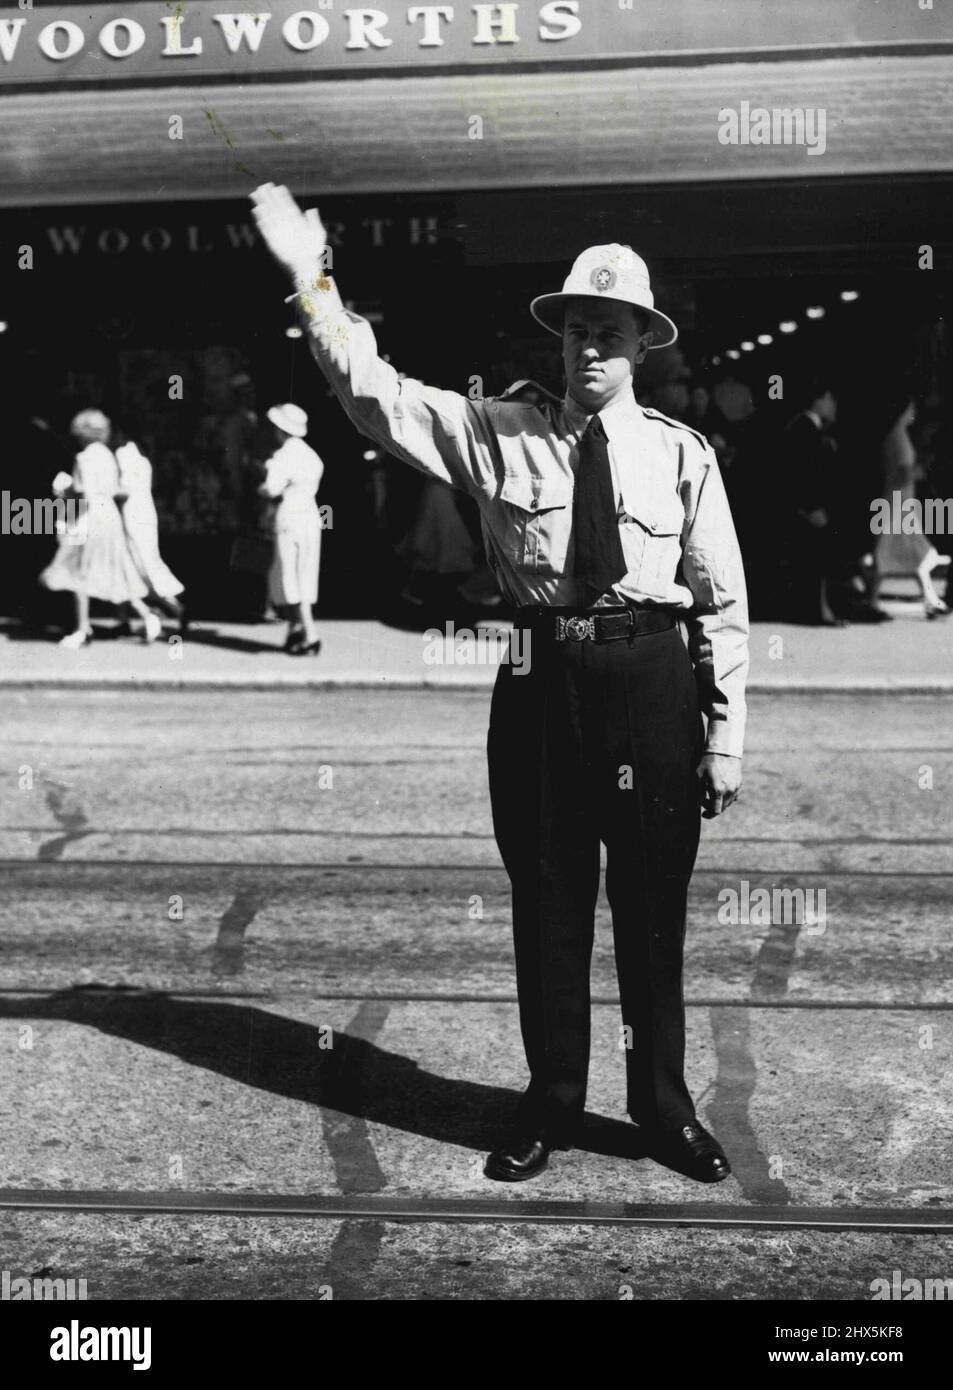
[(292, 476), (141, 525), (911, 553), (607, 526), (92, 560), (437, 546), (814, 486), (700, 416), (238, 428), (731, 399), (33, 456)]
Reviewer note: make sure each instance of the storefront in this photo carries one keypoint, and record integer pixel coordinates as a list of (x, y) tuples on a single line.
[(461, 155)]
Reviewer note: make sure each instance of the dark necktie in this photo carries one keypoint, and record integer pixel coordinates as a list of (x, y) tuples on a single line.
[(599, 562)]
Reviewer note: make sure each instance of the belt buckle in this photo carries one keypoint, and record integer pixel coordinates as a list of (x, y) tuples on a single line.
[(575, 629)]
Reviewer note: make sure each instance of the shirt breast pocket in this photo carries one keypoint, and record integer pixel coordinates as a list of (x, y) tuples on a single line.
[(535, 521), (651, 528)]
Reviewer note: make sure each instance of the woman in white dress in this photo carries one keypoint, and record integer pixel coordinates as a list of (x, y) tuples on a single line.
[(912, 554), (93, 559), (141, 525), (293, 474)]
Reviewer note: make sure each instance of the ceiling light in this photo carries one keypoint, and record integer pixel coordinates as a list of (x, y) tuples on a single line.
[(848, 296), (764, 339), (734, 354), (294, 332), (747, 346), (816, 312), (788, 326)]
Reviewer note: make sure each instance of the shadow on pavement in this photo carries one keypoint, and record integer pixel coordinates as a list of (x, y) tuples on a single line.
[(210, 637), (284, 1057), (50, 634)]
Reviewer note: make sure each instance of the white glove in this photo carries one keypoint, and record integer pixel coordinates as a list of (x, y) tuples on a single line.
[(296, 239), (62, 482)]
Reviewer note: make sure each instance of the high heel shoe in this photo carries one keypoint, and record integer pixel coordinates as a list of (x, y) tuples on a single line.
[(74, 640), (306, 648), (937, 610)]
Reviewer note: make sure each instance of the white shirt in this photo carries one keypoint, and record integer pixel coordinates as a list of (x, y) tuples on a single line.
[(518, 461), (294, 475)]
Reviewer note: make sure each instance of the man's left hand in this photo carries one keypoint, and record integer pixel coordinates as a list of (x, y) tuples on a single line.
[(719, 782)]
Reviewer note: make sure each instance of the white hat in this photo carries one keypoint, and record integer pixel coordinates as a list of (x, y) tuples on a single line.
[(290, 418), (606, 272), (91, 424)]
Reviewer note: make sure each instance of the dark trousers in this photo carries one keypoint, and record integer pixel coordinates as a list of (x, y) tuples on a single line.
[(599, 742)]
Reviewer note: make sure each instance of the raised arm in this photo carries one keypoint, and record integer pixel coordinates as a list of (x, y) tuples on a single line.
[(438, 432)]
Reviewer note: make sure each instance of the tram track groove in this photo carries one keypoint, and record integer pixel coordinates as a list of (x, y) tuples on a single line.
[(481, 1210)]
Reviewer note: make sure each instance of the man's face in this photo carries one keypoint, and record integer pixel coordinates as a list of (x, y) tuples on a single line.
[(827, 408), (603, 343)]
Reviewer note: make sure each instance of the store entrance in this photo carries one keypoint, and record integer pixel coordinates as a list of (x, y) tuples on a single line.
[(172, 319)]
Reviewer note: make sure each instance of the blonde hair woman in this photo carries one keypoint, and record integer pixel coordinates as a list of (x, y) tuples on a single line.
[(93, 559)]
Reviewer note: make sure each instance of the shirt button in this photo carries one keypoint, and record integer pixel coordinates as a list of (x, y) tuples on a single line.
[(533, 505)]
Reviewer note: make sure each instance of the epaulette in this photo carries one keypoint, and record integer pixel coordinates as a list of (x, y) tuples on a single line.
[(676, 424), (523, 393)]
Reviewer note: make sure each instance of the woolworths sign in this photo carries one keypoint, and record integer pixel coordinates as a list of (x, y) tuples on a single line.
[(147, 40)]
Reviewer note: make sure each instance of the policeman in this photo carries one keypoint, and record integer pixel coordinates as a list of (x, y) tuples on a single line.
[(608, 528)]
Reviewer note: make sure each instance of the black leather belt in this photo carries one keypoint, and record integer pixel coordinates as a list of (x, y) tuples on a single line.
[(593, 624)]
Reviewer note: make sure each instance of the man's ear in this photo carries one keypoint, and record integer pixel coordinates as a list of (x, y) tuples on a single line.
[(645, 342)]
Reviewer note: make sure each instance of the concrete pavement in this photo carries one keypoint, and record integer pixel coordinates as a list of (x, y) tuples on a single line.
[(234, 1257), (908, 653), (224, 971)]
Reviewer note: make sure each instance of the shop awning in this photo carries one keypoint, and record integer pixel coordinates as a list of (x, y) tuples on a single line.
[(610, 126)]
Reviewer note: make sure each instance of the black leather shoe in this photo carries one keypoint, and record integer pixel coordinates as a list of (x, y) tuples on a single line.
[(692, 1151), (522, 1157)]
